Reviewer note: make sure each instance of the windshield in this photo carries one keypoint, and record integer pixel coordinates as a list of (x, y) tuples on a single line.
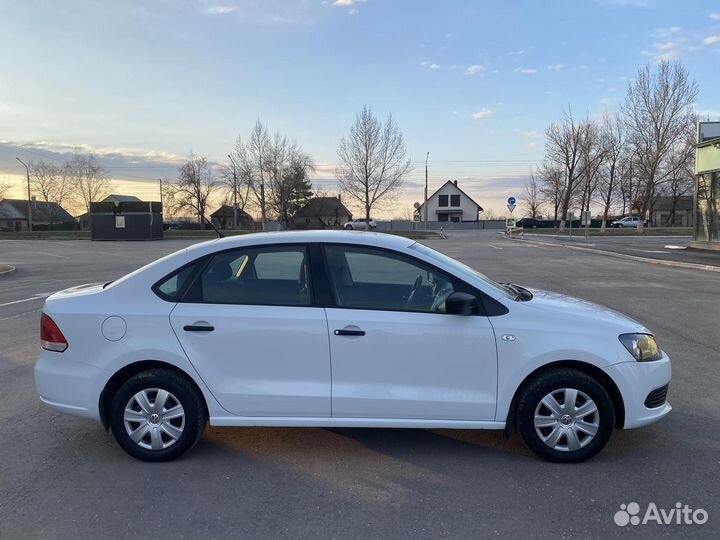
[(463, 270)]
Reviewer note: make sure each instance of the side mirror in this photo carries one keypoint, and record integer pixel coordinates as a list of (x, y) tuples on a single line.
[(460, 303)]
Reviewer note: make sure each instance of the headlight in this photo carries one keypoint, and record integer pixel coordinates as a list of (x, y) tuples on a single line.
[(642, 346)]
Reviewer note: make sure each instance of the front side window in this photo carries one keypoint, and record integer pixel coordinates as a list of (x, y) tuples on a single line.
[(276, 276), (366, 278), (454, 200), (442, 200)]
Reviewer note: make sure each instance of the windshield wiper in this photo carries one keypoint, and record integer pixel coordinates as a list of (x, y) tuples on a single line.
[(521, 294)]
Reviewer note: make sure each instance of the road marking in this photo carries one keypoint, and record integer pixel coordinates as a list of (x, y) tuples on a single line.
[(494, 246), (53, 255), (19, 315), (39, 296), (648, 250)]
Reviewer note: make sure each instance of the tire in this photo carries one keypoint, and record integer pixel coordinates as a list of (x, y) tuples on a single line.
[(349, 227), (173, 430), (574, 443), (620, 226)]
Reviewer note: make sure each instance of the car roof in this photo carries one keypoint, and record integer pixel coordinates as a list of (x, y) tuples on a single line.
[(289, 237)]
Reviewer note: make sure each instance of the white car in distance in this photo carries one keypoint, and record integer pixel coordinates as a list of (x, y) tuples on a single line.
[(361, 225), (336, 329)]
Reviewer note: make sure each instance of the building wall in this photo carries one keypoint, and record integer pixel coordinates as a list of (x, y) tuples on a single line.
[(469, 209)]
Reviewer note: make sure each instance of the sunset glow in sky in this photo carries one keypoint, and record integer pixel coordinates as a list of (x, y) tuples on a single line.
[(475, 83)]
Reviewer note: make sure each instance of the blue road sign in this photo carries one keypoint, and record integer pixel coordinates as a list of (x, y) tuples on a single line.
[(511, 200)]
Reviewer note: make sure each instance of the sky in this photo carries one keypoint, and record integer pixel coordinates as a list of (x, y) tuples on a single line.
[(475, 83)]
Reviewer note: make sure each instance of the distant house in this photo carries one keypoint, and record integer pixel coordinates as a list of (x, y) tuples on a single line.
[(450, 203), (45, 216), (224, 218), (673, 213), (322, 213), (84, 219)]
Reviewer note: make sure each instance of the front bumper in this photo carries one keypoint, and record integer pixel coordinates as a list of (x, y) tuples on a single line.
[(636, 380), (67, 385)]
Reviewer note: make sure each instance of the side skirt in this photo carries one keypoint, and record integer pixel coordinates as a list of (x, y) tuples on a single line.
[(291, 421)]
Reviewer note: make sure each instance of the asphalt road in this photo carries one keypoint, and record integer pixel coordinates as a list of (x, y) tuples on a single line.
[(64, 478), (651, 247)]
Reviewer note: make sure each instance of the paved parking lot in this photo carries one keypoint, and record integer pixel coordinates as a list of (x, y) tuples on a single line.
[(666, 248), (62, 477)]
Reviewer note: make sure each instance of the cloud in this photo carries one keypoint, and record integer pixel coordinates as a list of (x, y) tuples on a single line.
[(430, 65), (556, 67), (448, 35), (519, 52), (526, 71), (482, 114), (532, 134), (219, 10), (711, 40), (714, 16), (474, 69), (347, 3)]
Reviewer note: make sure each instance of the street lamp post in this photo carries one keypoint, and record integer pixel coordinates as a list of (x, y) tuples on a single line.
[(29, 211), (235, 190), (426, 188)]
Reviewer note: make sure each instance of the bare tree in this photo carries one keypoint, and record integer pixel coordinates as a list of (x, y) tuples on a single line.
[(552, 187), (89, 180), (614, 144), (533, 197), (592, 154), (658, 108), (5, 187), (288, 177), (237, 179), (679, 176), (258, 149), (373, 161), (564, 143), (192, 190), (51, 183)]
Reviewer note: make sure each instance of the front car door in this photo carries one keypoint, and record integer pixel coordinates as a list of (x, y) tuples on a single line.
[(395, 352), (249, 325)]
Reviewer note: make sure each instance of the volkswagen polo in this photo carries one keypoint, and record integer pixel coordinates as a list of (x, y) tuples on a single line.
[(342, 329)]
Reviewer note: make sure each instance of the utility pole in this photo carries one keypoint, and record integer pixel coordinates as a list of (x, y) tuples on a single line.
[(426, 189), (262, 204), (235, 190), (161, 195), (29, 213)]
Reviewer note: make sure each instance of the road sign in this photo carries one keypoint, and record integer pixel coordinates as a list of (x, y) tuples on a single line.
[(511, 206), (416, 205), (586, 218), (511, 202), (510, 222)]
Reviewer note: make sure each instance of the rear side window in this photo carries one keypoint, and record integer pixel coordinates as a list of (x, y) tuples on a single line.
[(174, 286), (275, 276)]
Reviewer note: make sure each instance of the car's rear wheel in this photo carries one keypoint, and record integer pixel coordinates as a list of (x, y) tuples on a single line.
[(157, 415), (565, 416), (349, 227)]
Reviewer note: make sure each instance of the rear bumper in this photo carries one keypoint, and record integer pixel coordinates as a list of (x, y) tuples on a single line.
[(636, 380), (67, 385)]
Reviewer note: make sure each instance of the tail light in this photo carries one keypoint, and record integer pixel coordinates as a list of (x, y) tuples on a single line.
[(51, 338)]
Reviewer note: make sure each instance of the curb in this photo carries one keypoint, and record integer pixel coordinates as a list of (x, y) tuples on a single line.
[(674, 264), (7, 272)]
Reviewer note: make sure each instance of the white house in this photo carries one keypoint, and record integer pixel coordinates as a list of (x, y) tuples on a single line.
[(450, 203)]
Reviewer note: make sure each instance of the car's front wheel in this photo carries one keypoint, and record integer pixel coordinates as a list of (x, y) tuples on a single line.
[(349, 227), (565, 416), (157, 415)]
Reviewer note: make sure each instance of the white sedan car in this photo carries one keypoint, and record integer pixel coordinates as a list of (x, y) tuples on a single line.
[(361, 225), (332, 329)]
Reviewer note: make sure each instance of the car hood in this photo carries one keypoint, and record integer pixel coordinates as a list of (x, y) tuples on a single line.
[(578, 311)]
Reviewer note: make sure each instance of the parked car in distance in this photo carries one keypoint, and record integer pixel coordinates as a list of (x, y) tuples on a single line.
[(337, 329), (361, 225), (626, 222), (529, 223)]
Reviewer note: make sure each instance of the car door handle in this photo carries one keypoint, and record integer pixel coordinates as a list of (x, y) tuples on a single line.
[(347, 332), (198, 328)]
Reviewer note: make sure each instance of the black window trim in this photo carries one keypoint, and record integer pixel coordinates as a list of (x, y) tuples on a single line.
[(488, 307)]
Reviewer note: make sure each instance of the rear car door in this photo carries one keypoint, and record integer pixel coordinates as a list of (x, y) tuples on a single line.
[(395, 352), (249, 325)]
